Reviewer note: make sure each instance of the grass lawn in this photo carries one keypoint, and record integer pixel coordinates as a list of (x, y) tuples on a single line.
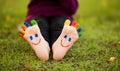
[(100, 20)]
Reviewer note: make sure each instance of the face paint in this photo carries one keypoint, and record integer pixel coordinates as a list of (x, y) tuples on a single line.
[(36, 35), (31, 38), (66, 41), (65, 36), (35, 40), (69, 39)]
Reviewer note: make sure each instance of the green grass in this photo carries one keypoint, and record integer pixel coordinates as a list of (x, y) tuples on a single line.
[(101, 26)]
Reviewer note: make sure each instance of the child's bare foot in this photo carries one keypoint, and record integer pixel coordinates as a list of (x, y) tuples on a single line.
[(33, 35), (68, 36)]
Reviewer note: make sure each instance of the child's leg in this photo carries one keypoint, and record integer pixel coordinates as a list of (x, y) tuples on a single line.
[(66, 39), (33, 35), (56, 26)]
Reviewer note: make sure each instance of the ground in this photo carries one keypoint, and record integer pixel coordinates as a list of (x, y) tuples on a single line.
[(100, 20)]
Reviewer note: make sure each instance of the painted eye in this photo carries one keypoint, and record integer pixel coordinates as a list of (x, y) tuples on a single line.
[(69, 39), (65, 36), (36, 35), (31, 38)]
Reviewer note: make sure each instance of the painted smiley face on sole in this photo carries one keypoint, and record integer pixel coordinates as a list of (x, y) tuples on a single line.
[(68, 36), (65, 41), (41, 47), (70, 33), (33, 36)]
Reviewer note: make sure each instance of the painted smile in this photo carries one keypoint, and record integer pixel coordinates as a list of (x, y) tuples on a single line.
[(37, 43), (64, 45)]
